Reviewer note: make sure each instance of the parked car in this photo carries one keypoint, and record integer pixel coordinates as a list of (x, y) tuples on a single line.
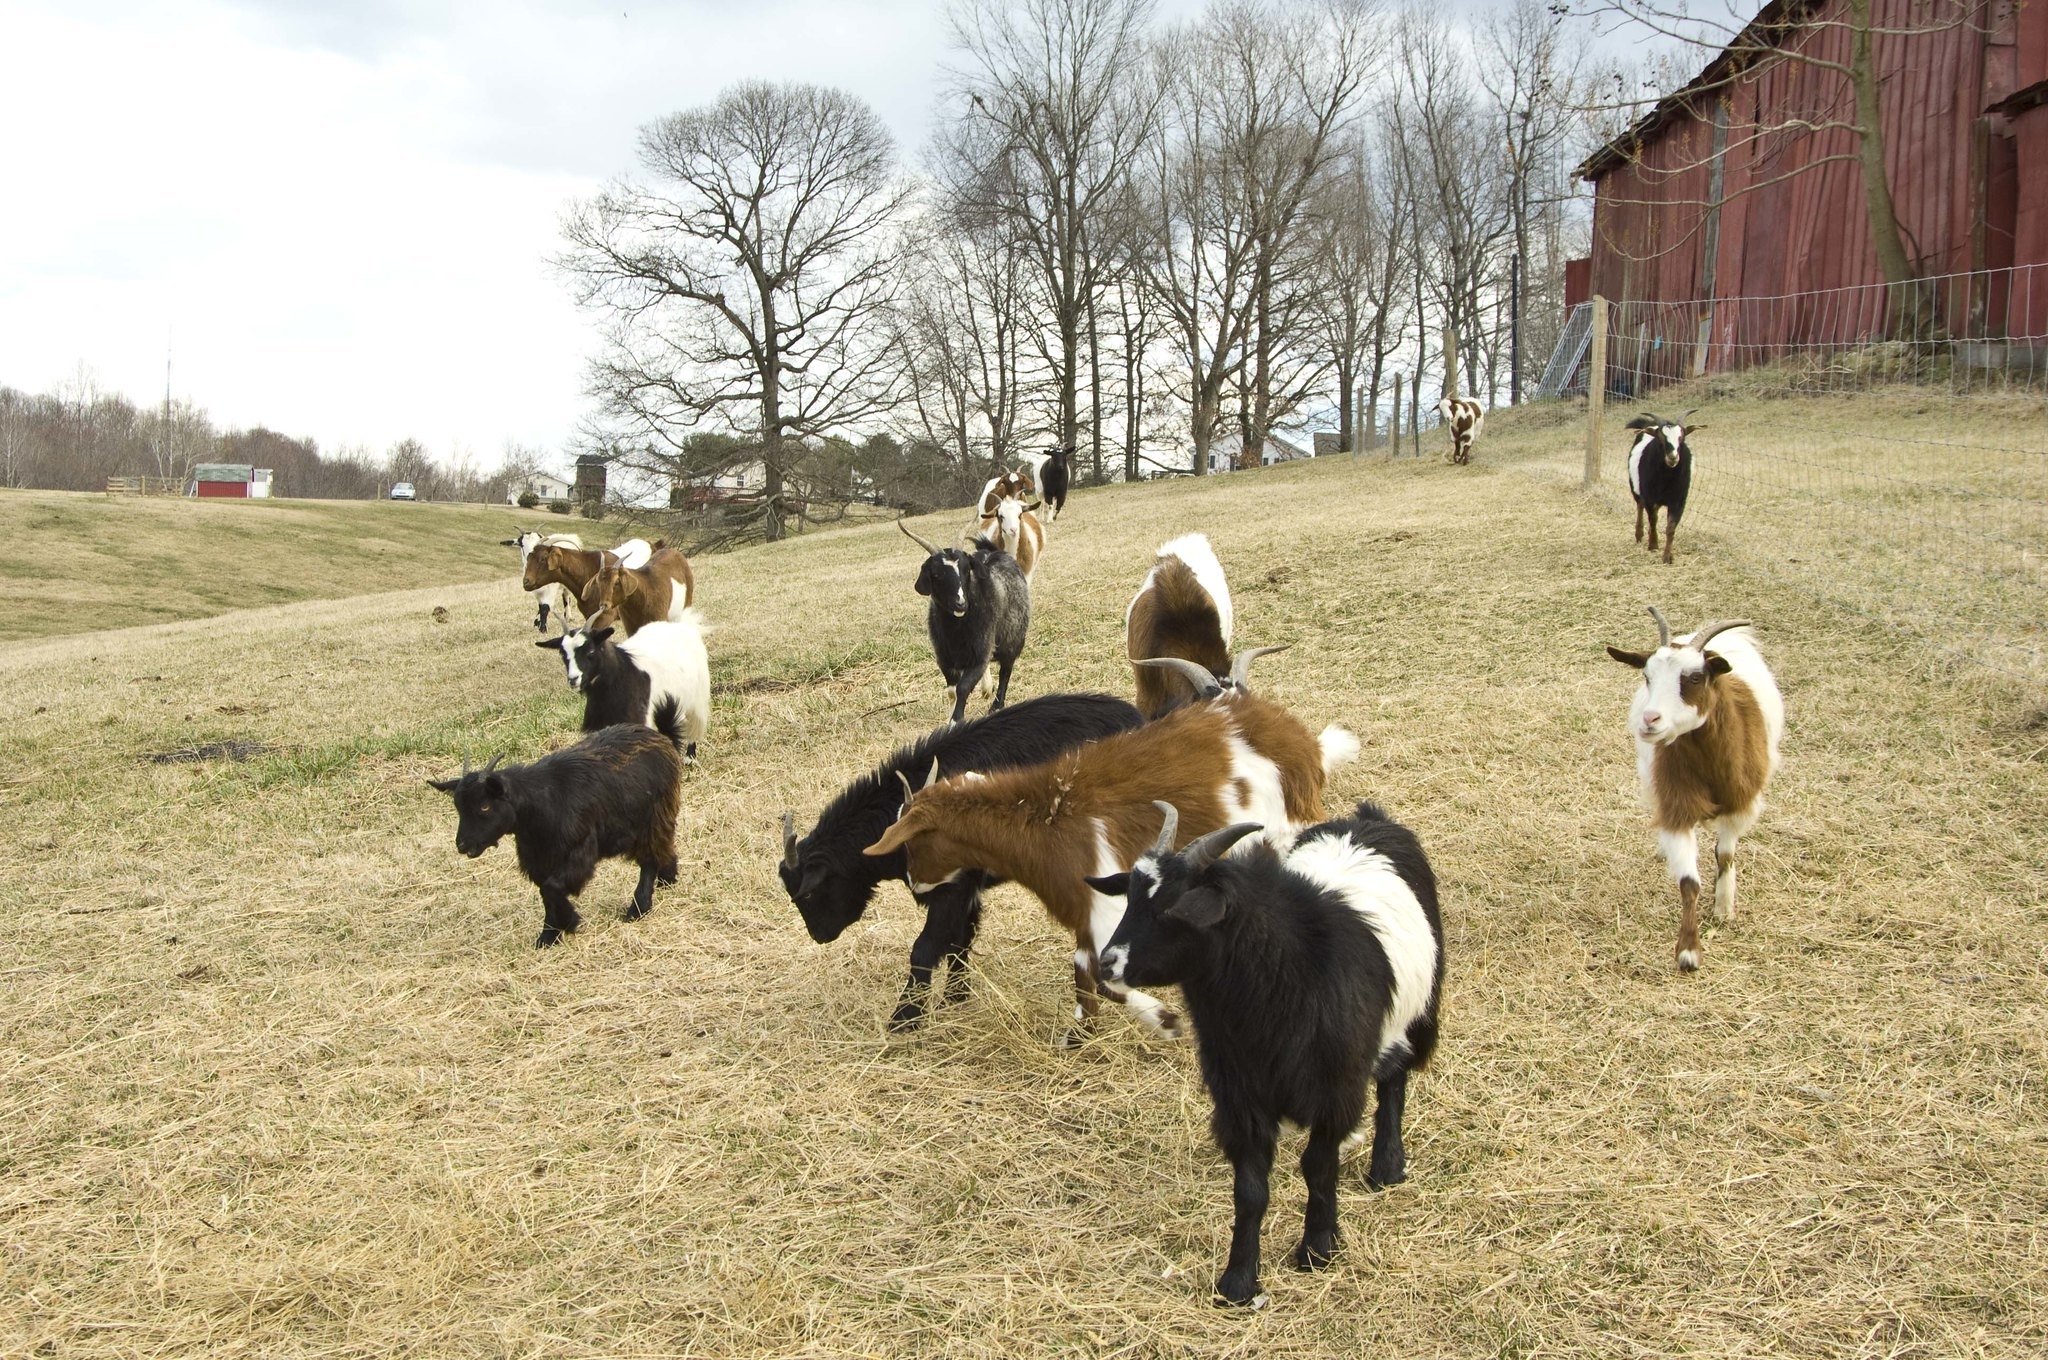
[(402, 491)]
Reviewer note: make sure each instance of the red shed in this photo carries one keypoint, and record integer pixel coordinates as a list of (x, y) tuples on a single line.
[(1735, 187)]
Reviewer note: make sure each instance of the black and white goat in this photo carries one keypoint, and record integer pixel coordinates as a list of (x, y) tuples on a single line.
[(1309, 976), (1707, 719), (625, 681), (980, 612), (833, 883), (1660, 474), (615, 793), (1465, 418), (1052, 471)]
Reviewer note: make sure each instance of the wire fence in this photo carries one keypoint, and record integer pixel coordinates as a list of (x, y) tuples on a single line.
[(1884, 449)]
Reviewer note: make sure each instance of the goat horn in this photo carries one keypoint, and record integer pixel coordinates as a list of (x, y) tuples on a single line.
[(494, 763), (908, 792), (1206, 685), (1705, 632), (1171, 827), (789, 839), (1212, 847), (1663, 628), (1241, 664), (465, 764), (929, 549), (933, 777)]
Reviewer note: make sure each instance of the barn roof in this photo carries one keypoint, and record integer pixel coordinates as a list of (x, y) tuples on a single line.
[(1759, 36)]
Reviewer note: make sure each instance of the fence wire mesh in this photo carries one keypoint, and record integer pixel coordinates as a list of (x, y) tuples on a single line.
[(1884, 449)]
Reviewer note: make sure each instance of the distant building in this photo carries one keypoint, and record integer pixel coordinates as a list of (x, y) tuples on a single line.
[(545, 485), (1224, 450), (230, 481)]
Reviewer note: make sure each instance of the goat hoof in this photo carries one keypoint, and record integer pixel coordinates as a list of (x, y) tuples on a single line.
[(636, 911), (1379, 1177), (1070, 1038), (956, 991), (1233, 1292), (548, 936), (908, 1016), (1688, 960), (1315, 1255)]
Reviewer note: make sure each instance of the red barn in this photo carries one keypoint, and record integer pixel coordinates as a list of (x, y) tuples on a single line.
[(1735, 188)]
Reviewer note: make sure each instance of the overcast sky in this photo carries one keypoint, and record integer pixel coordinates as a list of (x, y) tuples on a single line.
[(338, 216)]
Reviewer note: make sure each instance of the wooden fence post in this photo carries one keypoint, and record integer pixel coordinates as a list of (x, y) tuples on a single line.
[(1596, 389), (1394, 430)]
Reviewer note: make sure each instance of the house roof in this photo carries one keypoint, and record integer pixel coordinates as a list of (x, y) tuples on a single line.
[(1759, 36)]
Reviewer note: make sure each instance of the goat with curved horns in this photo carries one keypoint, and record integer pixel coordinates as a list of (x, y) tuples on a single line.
[(980, 611), (1707, 724)]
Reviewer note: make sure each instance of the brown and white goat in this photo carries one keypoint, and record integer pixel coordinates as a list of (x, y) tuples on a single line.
[(1017, 531), (1007, 483), (1090, 813), (1182, 610), (1464, 418), (1707, 723), (660, 592)]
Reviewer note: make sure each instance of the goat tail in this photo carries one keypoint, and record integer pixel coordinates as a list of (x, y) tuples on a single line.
[(1340, 748), (665, 715)]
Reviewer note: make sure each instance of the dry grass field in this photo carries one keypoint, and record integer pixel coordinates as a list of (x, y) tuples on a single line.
[(284, 1077), (79, 561)]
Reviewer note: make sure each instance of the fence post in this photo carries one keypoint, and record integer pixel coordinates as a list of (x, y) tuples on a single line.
[(1596, 389), (1394, 430)]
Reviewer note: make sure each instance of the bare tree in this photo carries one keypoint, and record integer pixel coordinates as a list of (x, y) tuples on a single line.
[(1050, 112), (742, 280)]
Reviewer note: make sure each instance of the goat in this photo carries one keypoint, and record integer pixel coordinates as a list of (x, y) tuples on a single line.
[(1182, 610), (637, 596), (576, 568), (552, 596), (1017, 531), (1049, 826), (833, 883), (980, 611), (1660, 473), (1707, 724), (1309, 975), (615, 793), (1052, 471), (1464, 418), (1006, 483), (625, 681)]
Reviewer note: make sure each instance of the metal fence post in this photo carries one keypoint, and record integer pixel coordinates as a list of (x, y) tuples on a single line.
[(1596, 389)]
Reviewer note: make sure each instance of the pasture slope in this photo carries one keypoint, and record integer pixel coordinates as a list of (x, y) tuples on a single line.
[(284, 1076), (78, 561)]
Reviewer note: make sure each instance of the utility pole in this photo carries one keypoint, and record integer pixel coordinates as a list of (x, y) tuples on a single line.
[(1596, 389)]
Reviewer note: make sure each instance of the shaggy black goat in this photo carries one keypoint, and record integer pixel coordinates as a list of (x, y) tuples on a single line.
[(980, 610), (614, 793), (1309, 976), (1660, 473), (833, 883)]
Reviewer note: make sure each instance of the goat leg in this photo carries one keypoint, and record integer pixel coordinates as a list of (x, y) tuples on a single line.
[(558, 916), (965, 686), (956, 956), (1651, 546), (1688, 924), (1670, 532), (1639, 521), (643, 892), (943, 909), (1318, 1244), (1002, 682), (1252, 1168), (1389, 1159)]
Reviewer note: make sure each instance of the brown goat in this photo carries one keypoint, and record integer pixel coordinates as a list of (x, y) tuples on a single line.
[(1182, 610), (638, 596), (1090, 813)]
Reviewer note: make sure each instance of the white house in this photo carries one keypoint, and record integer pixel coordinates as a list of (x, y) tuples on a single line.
[(545, 485), (1223, 451)]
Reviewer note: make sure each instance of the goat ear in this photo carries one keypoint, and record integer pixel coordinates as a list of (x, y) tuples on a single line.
[(1718, 664), (600, 635), (924, 583), (897, 835), (1688, 429), (494, 785), (1112, 885), (1636, 659), (553, 644), (444, 785), (1201, 908)]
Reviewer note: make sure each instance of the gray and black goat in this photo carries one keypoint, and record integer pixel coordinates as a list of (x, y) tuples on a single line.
[(980, 611)]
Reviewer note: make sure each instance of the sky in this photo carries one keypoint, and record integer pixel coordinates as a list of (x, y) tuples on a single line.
[(338, 218)]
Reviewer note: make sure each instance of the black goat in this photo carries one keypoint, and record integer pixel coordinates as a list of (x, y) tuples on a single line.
[(1308, 976), (1660, 473), (833, 883), (1054, 471), (980, 610), (614, 793)]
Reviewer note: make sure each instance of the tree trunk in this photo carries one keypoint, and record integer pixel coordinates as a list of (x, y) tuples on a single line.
[(1892, 261), (1095, 387)]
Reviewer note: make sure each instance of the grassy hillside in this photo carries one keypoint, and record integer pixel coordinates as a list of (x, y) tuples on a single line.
[(284, 1076), (82, 562)]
